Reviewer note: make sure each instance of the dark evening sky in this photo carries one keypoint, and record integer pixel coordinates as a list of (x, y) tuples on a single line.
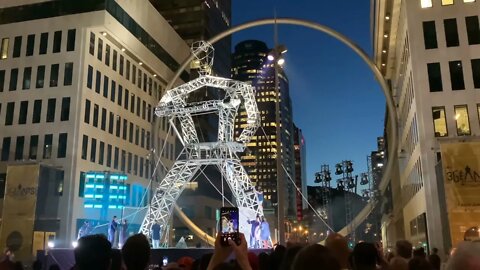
[(336, 101)]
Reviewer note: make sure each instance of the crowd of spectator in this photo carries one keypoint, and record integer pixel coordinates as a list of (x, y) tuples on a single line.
[(94, 252)]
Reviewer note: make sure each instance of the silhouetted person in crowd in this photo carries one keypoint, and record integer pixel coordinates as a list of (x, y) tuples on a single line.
[(419, 263), (263, 261), (364, 257), (18, 266), (466, 256), (136, 252), (7, 260), (54, 267), (37, 265), (403, 253), (117, 260), (338, 245), (434, 259), (315, 257), (276, 257), (93, 252), (419, 252), (289, 257)]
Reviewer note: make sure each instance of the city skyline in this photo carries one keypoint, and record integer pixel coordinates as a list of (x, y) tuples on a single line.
[(356, 102)]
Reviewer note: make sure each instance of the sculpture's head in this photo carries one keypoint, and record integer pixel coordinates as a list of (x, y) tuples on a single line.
[(203, 52)]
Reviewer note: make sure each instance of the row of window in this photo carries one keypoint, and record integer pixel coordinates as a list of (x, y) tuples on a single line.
[(42, 41), (461, 119), (40, 77), (451, 32), (120, 95), (124, 67), (429, 3), (36, 111), (456, 75), (106, 154), (92, 116), (33, 147)]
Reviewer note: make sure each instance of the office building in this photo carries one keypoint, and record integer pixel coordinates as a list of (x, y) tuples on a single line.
[(300, 150), (429, 51), (78, 84), (197, 20), (251, 64)]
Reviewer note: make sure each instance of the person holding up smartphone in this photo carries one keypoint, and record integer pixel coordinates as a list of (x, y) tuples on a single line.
[(222, 252)]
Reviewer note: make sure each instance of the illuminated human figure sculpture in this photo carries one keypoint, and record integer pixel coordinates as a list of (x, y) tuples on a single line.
[(221, 153)]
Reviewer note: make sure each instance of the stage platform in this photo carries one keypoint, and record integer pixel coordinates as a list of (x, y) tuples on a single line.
[(65, 257)]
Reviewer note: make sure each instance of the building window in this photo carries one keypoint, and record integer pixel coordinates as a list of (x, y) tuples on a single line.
[(19, 148), (13, 79), (439, 122), (125, 104), (9, 114), (117, 128), (129, 167), (95, 115), (110, 122), (84, 147), (62, 145), (148, 140), (2, 80), (115, 158), (135, 164), (6, 148), (142, 138), (120, 69), (30, 45), (476, 72), (17, 46), (71, 40), (120, 95), (139, 80), (40, 77), (426, 3), (430, 35), (43, 43), (132, 103), (124, 136), (137, 134), (107, 55), (103, 124), (123, 157), (141, 167), (86, 117), (139, 104), (447, 2), (105, 86), (473, 30), (134, 74), (112, 91), (98, 81), (462, 120), (27, 78), (47, 146), (32, 153), (57, 41), (144, 108), (22, 119), (451, 33), (435, 77), (130, 138), (54, 75), (114, 60), (100, 49), (51, 109), (456, 75), (37, 111), (65, 113), (127, 75), (101, 150), (93, 150), (91, 49), (4, 48), (67, 76), (109, 155), (89, 76)]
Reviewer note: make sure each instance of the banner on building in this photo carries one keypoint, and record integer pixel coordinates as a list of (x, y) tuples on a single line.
[(19, 209), (461, 170)]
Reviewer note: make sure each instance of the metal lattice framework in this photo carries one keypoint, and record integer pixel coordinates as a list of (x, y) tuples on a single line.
[(196, 154)]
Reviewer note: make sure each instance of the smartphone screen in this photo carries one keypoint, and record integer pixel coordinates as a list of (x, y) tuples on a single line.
[(229, 224)]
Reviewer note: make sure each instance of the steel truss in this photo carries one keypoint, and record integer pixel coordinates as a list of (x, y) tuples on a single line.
[(196, 154)]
